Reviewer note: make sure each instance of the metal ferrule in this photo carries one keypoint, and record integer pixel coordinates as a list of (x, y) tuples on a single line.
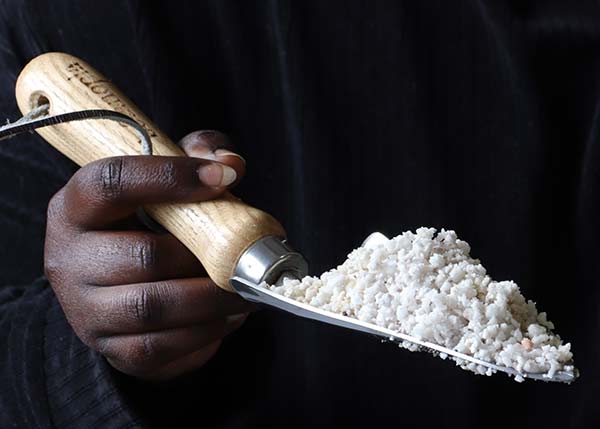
[(268, 259)]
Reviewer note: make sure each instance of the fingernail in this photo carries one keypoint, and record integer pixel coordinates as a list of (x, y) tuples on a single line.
[(202, 152), (217, 155), (229, 176), (236, 318), (216, 174), (226, 152)]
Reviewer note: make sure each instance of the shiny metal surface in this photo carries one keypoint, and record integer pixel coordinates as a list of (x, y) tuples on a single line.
[(267, 259)]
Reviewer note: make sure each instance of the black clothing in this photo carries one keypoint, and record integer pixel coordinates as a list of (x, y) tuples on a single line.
[(354, 116)]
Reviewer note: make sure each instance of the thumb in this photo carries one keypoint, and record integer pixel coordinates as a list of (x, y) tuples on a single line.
[(214, 146)]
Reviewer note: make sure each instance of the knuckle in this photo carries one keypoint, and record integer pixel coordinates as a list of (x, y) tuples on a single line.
[(103, 179), (110, 177), (139, 351), (89, 337), (128, 356), (143, 252), (144, 306), (139, 354), (79, 314), (53, 269), (56, 207), (143, 352)]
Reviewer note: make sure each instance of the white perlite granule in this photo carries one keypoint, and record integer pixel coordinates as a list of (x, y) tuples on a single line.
[(427, 286)]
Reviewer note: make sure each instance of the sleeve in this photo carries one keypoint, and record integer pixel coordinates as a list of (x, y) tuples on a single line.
[(49, 378)]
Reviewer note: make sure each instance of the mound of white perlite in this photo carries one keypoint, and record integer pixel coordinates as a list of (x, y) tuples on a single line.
[(426, 285)]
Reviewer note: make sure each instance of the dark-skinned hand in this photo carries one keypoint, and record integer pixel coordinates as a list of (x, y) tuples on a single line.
[(138, 297)]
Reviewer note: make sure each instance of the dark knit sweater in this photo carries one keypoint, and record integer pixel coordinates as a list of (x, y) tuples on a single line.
[(354, 116), (49, 377)]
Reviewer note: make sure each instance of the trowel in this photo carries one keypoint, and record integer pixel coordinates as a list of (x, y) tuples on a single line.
[(83, 115)]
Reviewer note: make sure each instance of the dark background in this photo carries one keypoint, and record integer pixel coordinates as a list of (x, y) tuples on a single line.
[(355, 116)]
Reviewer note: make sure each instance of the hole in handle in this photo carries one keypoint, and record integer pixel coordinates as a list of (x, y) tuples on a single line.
[(38, 99)]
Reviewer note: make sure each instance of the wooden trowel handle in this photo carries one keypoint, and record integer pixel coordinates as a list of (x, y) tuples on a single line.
[(216, 231)]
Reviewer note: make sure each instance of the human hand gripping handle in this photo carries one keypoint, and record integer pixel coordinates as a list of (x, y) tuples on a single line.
[(217, 232), (140, 298)]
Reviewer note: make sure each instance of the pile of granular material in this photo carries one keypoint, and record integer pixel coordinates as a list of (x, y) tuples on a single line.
[(427, 286)]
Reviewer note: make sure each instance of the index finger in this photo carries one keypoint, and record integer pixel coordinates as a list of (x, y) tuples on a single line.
[(111, 189)]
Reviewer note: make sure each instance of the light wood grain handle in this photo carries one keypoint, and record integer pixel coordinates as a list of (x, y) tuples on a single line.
[(216, 231)]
